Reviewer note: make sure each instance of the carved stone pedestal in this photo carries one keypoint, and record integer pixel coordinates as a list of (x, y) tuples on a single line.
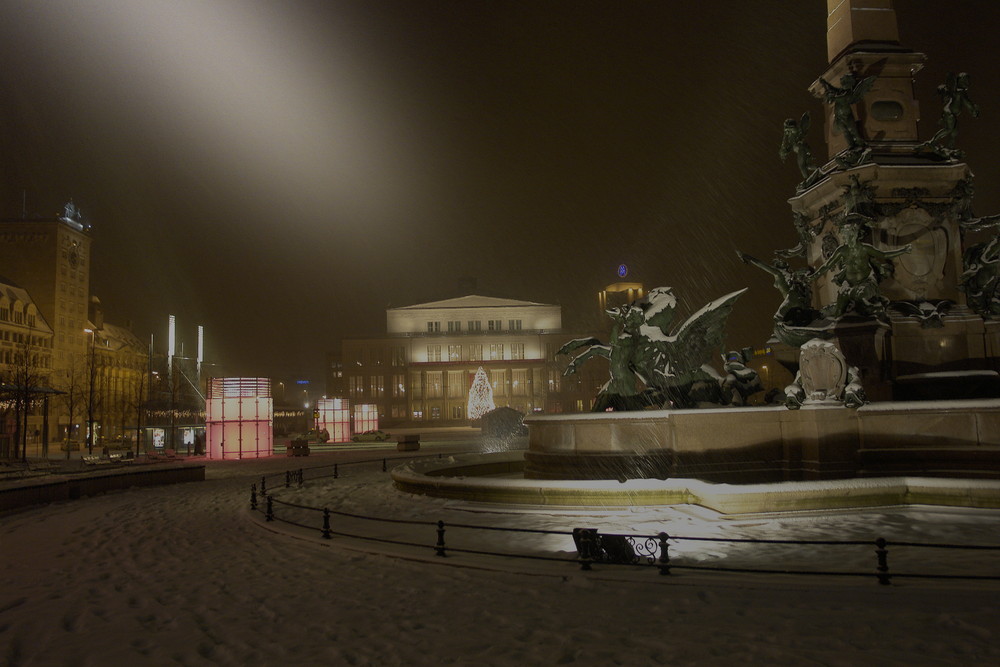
[(865, 344)]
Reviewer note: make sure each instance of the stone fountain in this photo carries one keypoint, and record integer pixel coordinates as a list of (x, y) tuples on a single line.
[(895, 300)]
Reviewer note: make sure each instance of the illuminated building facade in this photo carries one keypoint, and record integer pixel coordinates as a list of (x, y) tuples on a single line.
[(97, 366), (422, 369), (50, 258), (25, 361), (618, 294)]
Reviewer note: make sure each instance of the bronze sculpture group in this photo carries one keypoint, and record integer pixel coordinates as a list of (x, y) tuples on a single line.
[(652, 365)]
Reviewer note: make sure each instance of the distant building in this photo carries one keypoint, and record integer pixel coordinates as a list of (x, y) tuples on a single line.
[(618, 294), (25, 364), (98, 366), (422, 369), (50, 258)]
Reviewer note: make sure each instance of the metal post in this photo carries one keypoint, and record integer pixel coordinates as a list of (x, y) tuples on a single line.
[(586, 540), (664, 556), (300, 477), (883, 565), (439, 547), (326, 524), (263, 485), (270, 509), (383, 465), (288, 478), (253, 496)]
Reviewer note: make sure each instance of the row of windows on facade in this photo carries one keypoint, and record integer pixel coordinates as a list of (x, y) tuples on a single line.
[(21, 339), (474, 352), (17, 315), (12, 357), (467, 352), (73, 290), (431, 384), (74, 307), (458, 411), (455, 326)]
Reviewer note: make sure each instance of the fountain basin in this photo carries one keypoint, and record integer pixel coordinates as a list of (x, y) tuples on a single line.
[(767, 444), (496, 478)]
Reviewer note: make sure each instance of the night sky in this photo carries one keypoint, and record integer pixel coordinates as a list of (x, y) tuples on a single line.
[(281, 172)]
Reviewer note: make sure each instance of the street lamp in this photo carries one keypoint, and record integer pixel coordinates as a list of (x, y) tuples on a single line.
[(90, 393)]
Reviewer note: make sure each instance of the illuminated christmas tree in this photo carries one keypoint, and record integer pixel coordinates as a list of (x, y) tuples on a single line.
[(480, 395)]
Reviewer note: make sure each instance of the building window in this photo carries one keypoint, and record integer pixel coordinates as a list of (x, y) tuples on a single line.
[(519, 382), (377, 385), (434, 384), (399, 386), (433, 327), (475, 325), (496, 351), (476, 352), (497, 380), (415, 385), (495, 325), (454, 353), (435, 413), (514, 325), (356, 385), (454, 327), (398, 356), (457, 412), (555, 380), (433, 353), (418, 414), (517, 350), (456, 384)]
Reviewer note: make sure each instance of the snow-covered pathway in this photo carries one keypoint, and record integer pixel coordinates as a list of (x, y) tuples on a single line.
[(179, 575)]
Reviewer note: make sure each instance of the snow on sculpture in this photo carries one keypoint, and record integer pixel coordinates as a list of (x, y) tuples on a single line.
[(824, 377), (650, 366)]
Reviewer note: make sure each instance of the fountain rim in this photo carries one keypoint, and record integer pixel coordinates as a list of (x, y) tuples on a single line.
[(432, 478)]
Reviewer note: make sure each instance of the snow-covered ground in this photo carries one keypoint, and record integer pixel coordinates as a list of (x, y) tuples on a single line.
[(184, 575)]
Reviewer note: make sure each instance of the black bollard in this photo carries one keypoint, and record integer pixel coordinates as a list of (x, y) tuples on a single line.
[(439, 547), (253, 496), (383, 465), (300, 477), (883, 562), (664, 556), (326, 524), (263, 485), (587, 546), (270, 510), (288, 478)]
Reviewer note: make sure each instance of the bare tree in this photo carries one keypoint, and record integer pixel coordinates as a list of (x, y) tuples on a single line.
[(25, 382), (72, 384)]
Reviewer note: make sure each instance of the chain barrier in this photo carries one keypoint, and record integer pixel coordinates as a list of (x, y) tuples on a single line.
[(594, 547)]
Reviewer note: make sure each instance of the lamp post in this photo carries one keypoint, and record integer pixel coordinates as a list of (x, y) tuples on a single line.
[(91, 373)]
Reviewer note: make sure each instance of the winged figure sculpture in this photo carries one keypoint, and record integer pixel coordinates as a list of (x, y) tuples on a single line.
[(652, 365)]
